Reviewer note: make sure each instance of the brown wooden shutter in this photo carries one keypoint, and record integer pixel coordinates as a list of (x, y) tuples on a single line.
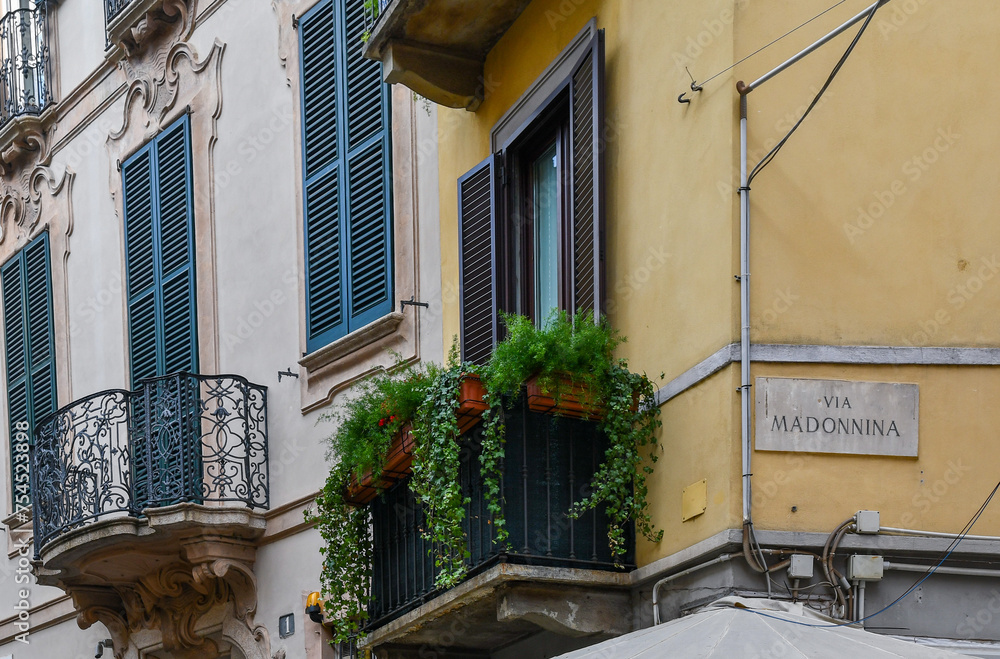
[(477, 203), (586, 128)]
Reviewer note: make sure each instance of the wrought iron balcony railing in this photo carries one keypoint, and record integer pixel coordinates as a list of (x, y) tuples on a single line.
[(112, 8), (548, 464), (177, 438), (24, 63), (374, 10)]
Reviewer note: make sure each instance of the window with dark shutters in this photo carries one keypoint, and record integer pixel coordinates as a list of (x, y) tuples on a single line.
[(162, 310), (347, 166), (495, 252), (477, 260), (159, 256), (586, 125), (30, 353)]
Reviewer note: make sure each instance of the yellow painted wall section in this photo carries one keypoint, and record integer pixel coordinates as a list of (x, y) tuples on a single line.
[(876, 224), (938, 491), (670, 224), (671, 217), (697, 443)]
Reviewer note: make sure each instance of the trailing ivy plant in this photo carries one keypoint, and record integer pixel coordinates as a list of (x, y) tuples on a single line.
[(367, 423), (575, 353), (436, 461), (382, 405), (567, 352)]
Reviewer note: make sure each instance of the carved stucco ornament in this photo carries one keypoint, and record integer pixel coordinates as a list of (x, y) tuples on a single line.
[(171, 601), (148, 22)]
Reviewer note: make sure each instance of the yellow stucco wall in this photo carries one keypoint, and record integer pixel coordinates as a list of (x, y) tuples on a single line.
[(940, 490), (923, 272)]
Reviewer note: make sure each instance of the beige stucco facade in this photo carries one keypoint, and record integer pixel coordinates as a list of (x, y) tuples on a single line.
[(232, 66)]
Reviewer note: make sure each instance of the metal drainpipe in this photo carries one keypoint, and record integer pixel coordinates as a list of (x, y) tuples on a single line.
[(683, 573), (744, 90), (888, 530), (962, 571), (745, 311)]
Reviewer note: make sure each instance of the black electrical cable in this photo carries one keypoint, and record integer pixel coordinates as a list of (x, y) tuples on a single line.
[(766, 160), (765, 47), (930, 572)]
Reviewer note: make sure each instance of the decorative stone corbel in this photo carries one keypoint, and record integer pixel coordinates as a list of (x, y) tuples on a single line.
[(146, 21), (171, 601), (103, 605)]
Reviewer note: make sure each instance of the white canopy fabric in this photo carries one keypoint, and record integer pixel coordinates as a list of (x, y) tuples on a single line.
[(755, 629)]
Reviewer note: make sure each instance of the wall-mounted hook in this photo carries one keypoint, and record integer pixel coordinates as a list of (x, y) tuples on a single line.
[(287, 374), (412, 303), (106, 643), (695, 87)]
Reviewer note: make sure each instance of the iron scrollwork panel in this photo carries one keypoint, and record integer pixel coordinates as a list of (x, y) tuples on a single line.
[(81, 464), (24, 63), (177, 438)]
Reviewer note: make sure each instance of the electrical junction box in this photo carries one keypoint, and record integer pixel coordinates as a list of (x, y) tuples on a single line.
[(865, 568), (868, 522), (800, 567)]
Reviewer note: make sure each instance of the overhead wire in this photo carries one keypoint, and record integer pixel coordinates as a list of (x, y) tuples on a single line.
[(765, 47), (766, 160)]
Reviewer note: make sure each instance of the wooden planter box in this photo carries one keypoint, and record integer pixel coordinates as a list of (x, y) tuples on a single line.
[(573, 400), (471, 405)]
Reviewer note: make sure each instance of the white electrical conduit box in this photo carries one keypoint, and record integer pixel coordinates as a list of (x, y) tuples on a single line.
[(865, 568), (867, 522), (800, 567)]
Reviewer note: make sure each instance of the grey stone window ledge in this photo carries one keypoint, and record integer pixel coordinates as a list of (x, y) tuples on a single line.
[(354, 341)]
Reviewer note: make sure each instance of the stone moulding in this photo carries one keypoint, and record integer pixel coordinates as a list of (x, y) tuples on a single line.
[(165, 81), (163, 574), (142, 21)]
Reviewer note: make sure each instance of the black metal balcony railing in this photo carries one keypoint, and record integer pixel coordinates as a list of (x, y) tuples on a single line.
[(24, 63), (374, 9), (548, 464), (177, 438), (112, 8)]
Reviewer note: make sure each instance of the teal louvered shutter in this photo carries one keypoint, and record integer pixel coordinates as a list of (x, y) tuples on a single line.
[(162, 316), (30, 352), (159, 255), (477, 203), (587, 130), (347, 165)]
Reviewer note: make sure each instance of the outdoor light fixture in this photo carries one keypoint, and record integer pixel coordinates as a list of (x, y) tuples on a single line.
[(314, 608)]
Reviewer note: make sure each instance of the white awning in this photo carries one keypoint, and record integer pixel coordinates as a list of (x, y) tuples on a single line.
[(755, 629)]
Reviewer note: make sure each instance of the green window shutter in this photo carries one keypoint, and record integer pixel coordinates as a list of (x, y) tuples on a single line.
[(477, 224), (176, 227), (162, 316), (586, 126), (30, 351), (347, 165), (159, 256)]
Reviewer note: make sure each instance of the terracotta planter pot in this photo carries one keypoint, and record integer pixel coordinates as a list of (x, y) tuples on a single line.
[(471, 402), (397, 467), (573, 400), (471, 405)]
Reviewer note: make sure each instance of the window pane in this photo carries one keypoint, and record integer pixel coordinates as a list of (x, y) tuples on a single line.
[(545, 192)]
